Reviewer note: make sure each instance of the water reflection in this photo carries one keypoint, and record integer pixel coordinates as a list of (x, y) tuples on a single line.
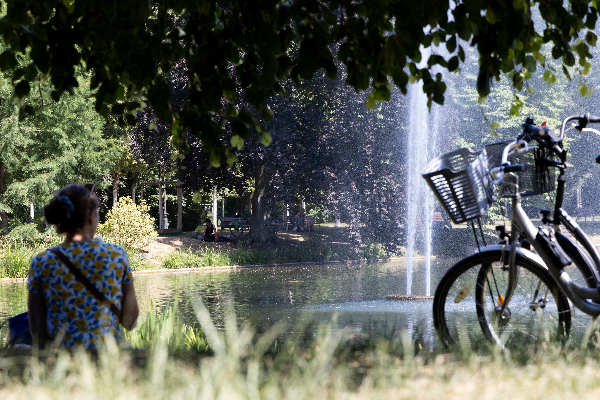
[(354, 293)]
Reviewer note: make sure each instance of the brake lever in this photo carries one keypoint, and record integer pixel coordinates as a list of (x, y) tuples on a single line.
[(592, 130), (578, 126)]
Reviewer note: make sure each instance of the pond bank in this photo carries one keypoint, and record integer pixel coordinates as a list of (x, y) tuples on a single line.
[(226, 268)]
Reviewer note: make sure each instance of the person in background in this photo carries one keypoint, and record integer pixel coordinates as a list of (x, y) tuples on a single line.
[(210, 233), (61, 307)]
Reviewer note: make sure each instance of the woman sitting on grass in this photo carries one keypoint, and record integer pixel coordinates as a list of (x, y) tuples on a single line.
[(81, 290), (210, 233)]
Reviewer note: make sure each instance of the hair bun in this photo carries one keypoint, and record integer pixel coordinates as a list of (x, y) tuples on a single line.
[(70, 208), (57, 211)]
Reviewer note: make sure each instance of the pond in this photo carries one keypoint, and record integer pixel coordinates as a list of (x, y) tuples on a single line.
[(349, 296)]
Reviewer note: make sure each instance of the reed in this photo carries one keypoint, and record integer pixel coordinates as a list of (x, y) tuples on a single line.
[(332, 364)]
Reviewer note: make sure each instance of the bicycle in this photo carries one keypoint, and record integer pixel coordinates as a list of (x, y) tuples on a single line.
[(519, 294)]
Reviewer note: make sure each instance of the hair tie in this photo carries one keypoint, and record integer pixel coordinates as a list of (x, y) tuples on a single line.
[(65, 199)]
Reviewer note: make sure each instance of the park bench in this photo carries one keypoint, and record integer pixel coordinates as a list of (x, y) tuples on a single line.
[(235, 225), (306, 223)]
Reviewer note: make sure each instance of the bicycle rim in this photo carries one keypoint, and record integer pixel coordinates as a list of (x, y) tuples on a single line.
[(454, 309), (537, 311)]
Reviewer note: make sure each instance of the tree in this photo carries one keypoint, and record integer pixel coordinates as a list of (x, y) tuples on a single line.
[(61, 143), (228, 46), (331, 151)]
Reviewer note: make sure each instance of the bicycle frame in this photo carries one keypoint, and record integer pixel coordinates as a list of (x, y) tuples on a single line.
[(584, 298)]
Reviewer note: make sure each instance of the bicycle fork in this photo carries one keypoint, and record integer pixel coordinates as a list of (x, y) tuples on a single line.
[(509, 264)]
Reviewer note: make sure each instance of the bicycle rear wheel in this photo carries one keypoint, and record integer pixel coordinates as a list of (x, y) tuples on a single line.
[(454, 309), (536, 311)]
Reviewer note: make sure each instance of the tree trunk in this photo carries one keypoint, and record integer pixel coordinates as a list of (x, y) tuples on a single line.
[(3, 214), (115, 185), (164, 204), (215, 209), (160, 209), (133, 190), (260, 232), (179, 208)]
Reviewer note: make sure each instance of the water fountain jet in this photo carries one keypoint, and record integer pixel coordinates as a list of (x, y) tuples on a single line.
[(423, 130)]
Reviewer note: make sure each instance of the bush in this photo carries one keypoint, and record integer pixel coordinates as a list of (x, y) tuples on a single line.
[(320, 215), (25, 235), (207, 257), (374, 252), (136, 261), (128, 225), (183, 259)]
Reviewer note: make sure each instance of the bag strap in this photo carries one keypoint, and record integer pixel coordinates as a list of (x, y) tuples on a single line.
[(86, 282)]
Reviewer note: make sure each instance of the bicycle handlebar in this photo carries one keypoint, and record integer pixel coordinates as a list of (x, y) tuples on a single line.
[(583, 120), (546, 137), (531, 131), (516, 147)]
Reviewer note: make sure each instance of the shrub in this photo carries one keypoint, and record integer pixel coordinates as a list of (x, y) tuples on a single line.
[(320, 215), (206, 257), (183, 259), (374, 252), (168, 326), (25, 235), (128, 225), (136, 261)]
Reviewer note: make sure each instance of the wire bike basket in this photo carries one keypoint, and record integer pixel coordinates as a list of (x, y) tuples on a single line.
[(536, 177), (461, 182)]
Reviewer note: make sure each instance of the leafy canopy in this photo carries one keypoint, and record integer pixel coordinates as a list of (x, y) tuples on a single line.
[(238, 53)]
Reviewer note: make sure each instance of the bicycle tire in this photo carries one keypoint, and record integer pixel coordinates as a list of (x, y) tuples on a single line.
[(536, 311), (454, 311)]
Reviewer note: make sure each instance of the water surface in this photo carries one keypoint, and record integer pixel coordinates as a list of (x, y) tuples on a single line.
[(349, 296)]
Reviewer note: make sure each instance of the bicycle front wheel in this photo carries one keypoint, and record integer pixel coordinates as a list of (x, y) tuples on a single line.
[(454, 309), (536, 311)]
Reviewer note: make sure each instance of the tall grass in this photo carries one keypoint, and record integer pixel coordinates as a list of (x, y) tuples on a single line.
[(15, 260), (167, 328), (210, 256), (244, 365), (333, 364)]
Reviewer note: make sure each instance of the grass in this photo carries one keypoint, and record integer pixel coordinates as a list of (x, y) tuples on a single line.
[(167, 329), (325, 244), (331, 364), (289, 247), (216, 257), (15, 260)]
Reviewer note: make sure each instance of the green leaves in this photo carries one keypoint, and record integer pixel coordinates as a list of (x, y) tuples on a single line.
[(515, 108), (381, 92), (451, 44), (237, 142), (591, 38), (45, 145), (235, 54), (265, 138), (549, 77), (584, 90), (128, 225)]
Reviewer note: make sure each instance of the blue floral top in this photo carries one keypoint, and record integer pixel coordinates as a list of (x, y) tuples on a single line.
[(73, 312)]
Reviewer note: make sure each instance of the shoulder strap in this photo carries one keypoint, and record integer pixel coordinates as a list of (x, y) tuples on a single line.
[(86, 282)]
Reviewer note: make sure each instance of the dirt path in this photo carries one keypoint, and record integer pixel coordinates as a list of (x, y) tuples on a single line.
[(321, 237), (164, 245)]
